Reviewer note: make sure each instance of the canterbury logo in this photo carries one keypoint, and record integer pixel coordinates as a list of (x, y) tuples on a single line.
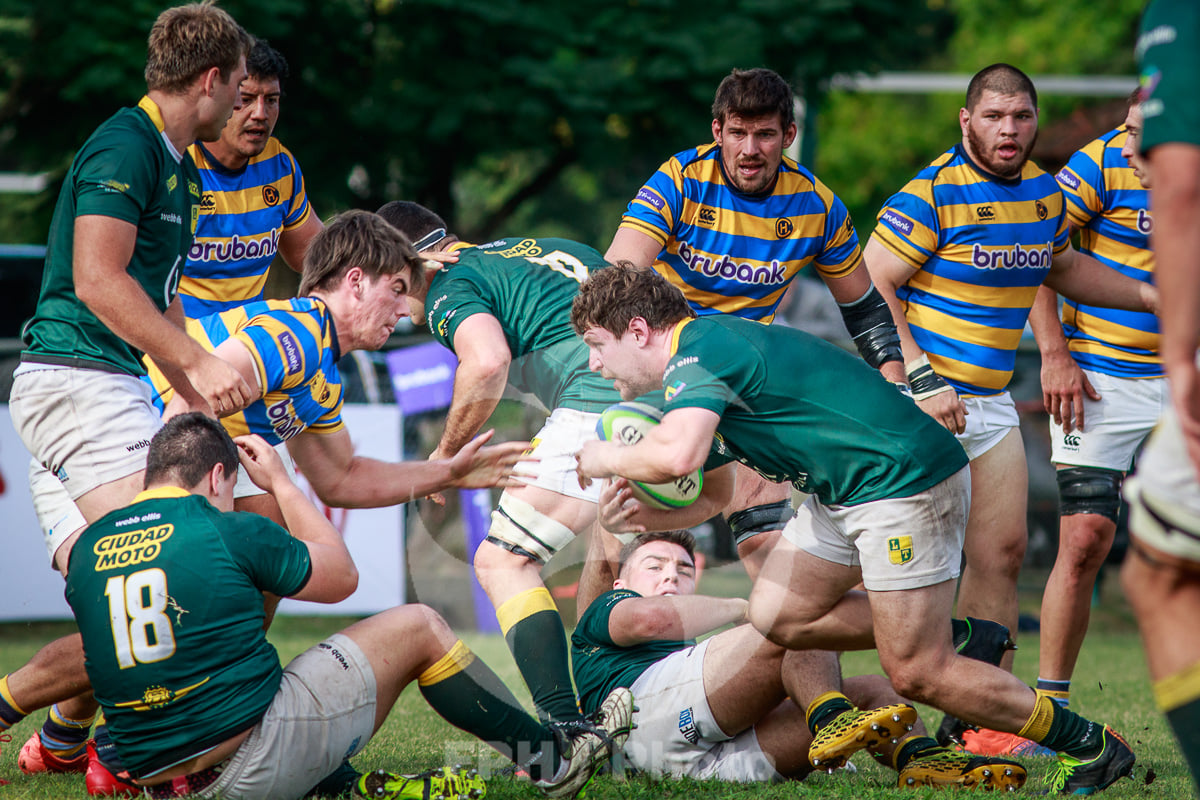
[(708, 216), (985, 212)]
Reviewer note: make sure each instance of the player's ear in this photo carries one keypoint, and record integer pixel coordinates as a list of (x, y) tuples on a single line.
[(789, 135), (716, 129)]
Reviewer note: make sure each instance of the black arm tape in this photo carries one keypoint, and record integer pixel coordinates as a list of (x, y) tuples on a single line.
[(870, 323), (759, 519), (1089, 490)]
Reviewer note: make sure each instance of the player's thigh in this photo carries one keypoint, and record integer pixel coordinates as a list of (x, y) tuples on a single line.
[(91, 429), (1114, 426), (323, 713), (743, 677), (999, 494), (805, 575)]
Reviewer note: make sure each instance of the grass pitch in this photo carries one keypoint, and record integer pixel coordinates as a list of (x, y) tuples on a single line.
[(1110, 685)]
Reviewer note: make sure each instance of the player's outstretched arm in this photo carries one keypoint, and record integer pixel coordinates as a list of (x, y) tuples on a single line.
[(345, 480), (672, 618), (933, 395), (479, 381), (334, 576), (634, 247)]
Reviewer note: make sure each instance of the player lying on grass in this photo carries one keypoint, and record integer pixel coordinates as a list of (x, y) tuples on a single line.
[(889, 500), (734, 706), (193, 693)]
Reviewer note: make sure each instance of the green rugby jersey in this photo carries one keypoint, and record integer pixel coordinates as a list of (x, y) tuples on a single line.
[(796, 408), (128, 171), (600, 665), (1168, 52), (528, 286), (167, 593)]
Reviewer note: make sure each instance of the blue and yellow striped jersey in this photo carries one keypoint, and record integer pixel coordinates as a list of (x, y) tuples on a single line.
[(294, 346), (734, 253), (242, 214), (981, 246), (1108, 205)]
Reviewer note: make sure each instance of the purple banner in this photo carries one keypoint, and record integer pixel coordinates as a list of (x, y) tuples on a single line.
[(422, 377)]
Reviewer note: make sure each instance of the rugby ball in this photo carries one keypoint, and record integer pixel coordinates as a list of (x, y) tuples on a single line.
[(627, 423)]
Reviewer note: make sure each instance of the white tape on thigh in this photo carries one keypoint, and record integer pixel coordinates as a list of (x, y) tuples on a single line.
[(517, 523)]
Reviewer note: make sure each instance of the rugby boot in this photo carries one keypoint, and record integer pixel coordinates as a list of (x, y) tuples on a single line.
[(941, 766), (1077, 776), (855, 730)]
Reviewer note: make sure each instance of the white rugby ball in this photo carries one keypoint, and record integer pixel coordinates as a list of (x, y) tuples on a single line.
[(627, 423)]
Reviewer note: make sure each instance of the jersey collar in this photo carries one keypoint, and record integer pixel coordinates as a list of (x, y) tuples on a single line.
[(151, 110), (676, 331), (162, 493)]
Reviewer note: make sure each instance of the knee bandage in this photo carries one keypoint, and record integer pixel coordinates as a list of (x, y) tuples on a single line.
[(520, 528), (1089, 490), (760, 519)]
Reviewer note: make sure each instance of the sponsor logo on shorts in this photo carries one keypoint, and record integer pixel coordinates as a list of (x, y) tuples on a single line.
[(900, 549), (1014, 257), (722, 266), (783, 228), (898, 221), (61, 474), (139, 445), (1071, 441), (687, 726), (650, 198), (291, 352), (708, 216), (128, 548), (336, 654), (1067, 178)]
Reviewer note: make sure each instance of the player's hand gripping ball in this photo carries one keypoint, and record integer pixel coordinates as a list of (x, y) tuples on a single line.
[(627, 423)]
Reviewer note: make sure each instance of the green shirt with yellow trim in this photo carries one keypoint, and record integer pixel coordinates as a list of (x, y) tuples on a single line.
[(129, 171), (167, 593), (795, 408), (599, 663), (528, 285)]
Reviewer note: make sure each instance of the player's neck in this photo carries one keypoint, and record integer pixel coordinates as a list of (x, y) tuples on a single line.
[(227, 157)]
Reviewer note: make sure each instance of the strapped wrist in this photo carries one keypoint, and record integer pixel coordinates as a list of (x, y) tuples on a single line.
[(923, 381)]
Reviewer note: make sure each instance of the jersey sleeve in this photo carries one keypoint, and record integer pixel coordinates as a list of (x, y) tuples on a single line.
[(593, 625), (1062, 235), (454, 298), (655, 209), (298, 209), (708, 371), (841, 253), (907, 225), (114, 180), (1082, 184), (285, 351), (275, 561)]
